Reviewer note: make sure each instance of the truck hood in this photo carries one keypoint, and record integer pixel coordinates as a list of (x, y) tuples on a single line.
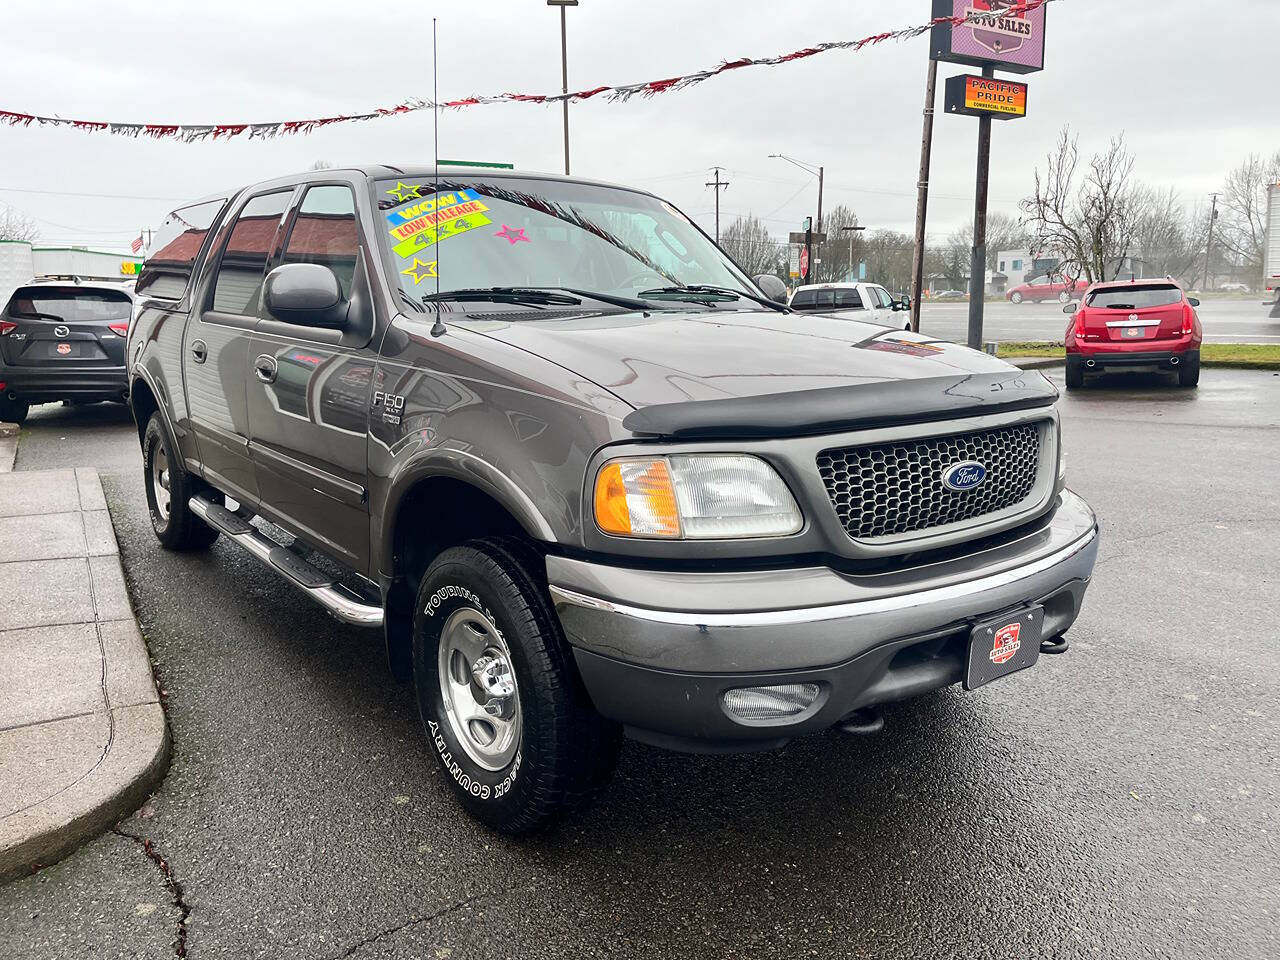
[(726, 368)]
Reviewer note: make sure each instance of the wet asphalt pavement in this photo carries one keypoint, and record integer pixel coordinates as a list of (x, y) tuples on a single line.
[(1117, 801)]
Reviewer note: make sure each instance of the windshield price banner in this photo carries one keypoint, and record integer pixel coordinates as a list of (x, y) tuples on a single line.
[(972, 96)]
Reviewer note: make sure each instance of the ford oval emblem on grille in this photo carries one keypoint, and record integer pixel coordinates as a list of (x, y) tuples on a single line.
[(964, 476)]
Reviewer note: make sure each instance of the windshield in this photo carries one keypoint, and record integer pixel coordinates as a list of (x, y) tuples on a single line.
[(71, 304), (524, 232), (1135, 298)]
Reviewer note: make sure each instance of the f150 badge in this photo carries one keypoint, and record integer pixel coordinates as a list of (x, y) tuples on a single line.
[(392, 406)]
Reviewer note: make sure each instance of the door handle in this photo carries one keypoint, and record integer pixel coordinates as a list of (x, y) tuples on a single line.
[(199, 351), (265, 368)]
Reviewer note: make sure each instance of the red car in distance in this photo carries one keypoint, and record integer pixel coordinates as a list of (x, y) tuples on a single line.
[(1062, 289), (1135, 324)]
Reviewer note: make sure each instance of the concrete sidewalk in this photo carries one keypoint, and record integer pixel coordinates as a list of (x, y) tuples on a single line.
[(8, 446), (82, 733)]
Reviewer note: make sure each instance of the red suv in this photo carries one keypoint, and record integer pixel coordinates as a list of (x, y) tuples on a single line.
[(1047, 288), (1137, 323)]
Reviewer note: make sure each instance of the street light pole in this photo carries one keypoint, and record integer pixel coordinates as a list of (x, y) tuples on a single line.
[(814, 170), (564, 70)]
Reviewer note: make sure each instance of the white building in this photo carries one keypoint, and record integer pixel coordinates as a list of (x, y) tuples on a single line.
[(20, 261)]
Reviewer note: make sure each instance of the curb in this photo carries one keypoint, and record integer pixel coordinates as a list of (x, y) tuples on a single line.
[(1040, 363), (8, 446), (126, 711), (1036, 363)]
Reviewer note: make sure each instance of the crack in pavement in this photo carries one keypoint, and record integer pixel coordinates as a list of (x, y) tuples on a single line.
[(414, 922), (172, 883)]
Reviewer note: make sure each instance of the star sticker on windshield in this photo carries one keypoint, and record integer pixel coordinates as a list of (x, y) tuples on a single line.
[(420, 271), (513, 235), (403, 191)]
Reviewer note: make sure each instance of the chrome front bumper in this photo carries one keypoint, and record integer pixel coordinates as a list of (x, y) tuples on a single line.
[(657, 650)]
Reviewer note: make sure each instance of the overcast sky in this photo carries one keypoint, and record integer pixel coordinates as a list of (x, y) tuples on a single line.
[(1191, 84)]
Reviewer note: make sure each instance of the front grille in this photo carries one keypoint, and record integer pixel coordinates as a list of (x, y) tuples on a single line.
[(885, 489)]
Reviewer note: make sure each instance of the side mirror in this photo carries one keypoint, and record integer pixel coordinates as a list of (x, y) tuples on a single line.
[(1071, 307), (1194, 301), (307, 294), (772, 287)]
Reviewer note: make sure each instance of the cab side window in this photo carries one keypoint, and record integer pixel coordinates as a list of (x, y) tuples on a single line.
[(324, 232), (238, 287)]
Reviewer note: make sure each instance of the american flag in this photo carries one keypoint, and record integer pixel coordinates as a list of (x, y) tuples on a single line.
[(137, 244)]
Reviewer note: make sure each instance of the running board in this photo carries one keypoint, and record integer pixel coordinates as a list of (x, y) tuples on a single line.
[(311, 580)]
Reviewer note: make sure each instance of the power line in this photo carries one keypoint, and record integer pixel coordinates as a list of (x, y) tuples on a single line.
[(75, 193)]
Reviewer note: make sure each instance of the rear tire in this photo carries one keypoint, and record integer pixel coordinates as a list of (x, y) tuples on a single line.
[(518, 739), (1189, 373), (1064, 297), (1075, 374), (13, 411), (169, 488)]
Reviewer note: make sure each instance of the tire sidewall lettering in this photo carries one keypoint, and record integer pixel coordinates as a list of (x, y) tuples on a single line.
[(470, 783)]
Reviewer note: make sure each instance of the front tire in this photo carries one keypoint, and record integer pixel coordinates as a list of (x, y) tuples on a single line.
[(13, 411), (1189, 372), (1064, 297), (169, 488), (1015, 297), (503, 706)]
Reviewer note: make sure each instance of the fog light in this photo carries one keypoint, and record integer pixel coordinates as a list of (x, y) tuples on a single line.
[(756, 704)]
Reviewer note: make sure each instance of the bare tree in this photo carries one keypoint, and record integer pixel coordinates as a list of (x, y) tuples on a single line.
[(1242, 227), (888, 256), (15, 225), (1088, 222), (1004, 232), (321, 165), (747, 241), (1169, 237)]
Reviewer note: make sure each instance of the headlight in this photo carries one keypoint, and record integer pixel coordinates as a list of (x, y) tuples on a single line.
[(695, 497)]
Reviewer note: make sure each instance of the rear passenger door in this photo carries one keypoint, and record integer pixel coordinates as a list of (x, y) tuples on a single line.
[(309, 391), (216, 357)]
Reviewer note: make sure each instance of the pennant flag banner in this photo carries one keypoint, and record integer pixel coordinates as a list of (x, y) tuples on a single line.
[(192, 133)]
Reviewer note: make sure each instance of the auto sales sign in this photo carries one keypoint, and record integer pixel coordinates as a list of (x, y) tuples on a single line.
[(1002, 34)]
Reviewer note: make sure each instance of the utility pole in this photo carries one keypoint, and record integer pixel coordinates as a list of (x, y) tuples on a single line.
[(564, 71), (719, 185), (1208, 246), (922, 194), (978, 265)]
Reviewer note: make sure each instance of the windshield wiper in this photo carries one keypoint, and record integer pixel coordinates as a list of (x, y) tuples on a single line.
[(705, 292), (549, 296), (519, 295)]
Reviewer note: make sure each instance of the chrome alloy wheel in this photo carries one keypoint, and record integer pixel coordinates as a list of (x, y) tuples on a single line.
[(160, 481), (478, 689)]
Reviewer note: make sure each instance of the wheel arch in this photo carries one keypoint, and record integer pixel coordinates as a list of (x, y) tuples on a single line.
[(432, 511)]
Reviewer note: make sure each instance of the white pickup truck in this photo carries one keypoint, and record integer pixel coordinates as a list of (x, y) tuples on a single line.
[(869, 301)]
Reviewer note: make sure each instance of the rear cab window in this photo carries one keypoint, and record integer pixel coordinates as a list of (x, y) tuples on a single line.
[(175, 248), (1136, 297), (848, 299)]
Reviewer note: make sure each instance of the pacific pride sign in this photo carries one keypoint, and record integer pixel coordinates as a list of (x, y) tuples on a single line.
[(973, 96)]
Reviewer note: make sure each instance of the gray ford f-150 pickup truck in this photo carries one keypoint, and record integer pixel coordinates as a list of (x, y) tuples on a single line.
[(586, 477)]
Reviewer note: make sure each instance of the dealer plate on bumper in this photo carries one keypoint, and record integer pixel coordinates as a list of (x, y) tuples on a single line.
[(1000, 647)]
